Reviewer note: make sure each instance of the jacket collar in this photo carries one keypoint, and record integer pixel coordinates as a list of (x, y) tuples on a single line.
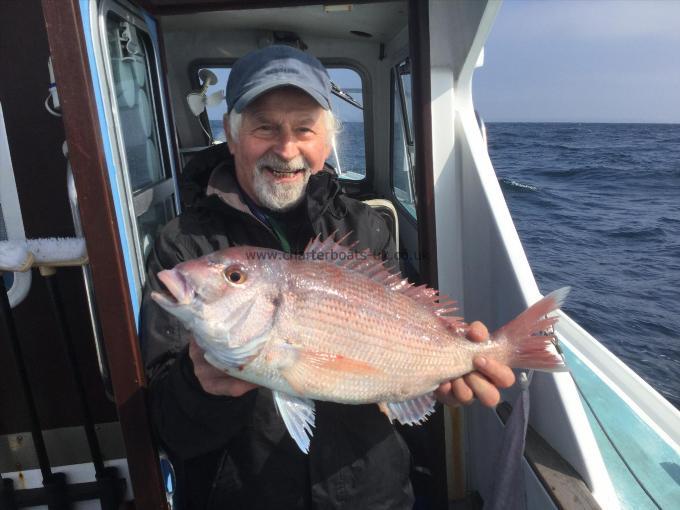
[(223, 184)]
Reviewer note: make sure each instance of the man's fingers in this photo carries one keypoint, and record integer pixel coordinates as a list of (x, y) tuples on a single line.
[(455, 393), (499, 374), (477, 332), (195, 352), (227, 386), (212, 379), (462, 391), (482, 384), (485, 391), (201, 366), (445, 395)]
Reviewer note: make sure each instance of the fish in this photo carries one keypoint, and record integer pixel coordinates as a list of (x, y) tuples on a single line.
[(335, 324)]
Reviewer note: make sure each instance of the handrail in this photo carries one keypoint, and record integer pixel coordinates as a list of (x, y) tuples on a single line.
[(22, 255), (102, 361)]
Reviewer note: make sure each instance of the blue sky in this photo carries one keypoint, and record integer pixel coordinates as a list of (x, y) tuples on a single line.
[(582, 61)]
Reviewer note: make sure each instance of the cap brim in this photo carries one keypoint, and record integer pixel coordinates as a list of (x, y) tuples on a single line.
[(256, 92)]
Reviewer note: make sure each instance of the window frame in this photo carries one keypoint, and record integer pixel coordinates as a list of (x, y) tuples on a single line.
[(135, 202), (367, 113), (395, 83)]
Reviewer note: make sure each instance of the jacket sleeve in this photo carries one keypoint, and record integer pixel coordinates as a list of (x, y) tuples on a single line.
[(188, 421)]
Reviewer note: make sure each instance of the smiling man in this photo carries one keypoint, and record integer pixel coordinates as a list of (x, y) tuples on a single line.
[(271, 188), (280, 141)]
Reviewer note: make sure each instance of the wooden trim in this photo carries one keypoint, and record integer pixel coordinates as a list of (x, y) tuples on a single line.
[(419, 53), (86, 154), (559, 479), (419, 42)]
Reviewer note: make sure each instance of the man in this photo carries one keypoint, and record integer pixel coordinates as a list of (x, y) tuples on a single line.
[(228, 444)]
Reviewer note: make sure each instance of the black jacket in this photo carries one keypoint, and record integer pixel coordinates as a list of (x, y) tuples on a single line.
[(235, 453)]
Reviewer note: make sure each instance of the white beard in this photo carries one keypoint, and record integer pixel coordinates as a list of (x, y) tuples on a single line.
[(279, 196)]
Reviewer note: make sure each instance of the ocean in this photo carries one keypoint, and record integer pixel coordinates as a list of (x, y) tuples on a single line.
[(597, 207)]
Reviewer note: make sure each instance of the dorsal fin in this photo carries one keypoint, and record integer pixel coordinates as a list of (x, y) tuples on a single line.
[(317, 247), (373, 267)]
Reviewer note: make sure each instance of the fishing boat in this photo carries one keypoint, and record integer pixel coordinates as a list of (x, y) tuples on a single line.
[(104, 102)]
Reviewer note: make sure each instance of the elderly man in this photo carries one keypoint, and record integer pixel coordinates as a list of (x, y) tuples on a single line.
[(229, 447)]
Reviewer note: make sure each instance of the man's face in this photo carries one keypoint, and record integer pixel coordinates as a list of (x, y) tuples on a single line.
[(283, 140)]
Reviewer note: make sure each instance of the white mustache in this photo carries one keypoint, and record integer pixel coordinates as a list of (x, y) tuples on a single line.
[(279, 164)]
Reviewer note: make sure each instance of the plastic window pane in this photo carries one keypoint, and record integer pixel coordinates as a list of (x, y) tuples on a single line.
[(216, 112), (402, 180), (130, 63), (152, 220), (350, 141)]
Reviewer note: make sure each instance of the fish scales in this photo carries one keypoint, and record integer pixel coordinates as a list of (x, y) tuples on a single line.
[(395, 349), (337, 327)]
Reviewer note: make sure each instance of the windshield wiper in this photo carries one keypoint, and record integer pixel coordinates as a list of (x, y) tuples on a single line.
[(345, 96)]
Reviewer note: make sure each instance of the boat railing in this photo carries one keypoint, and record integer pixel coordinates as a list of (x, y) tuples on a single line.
[(636, 428), (102, 361), (657, 412)]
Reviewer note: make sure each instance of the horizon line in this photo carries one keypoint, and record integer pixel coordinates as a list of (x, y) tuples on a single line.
[(579, 122)]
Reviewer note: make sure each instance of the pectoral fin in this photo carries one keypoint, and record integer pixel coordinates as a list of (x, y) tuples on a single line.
[(298, 415), (223, 356), (410, 412)]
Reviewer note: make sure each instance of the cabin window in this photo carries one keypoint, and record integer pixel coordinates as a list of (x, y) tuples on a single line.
[(143, 147), (403, 145), (349, 155), (11, 223)]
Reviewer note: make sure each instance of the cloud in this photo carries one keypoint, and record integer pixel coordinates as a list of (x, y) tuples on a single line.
[(577, 60), (601, 19)]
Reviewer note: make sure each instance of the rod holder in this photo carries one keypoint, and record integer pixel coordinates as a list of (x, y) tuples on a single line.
[(7, 500), (55, 488)]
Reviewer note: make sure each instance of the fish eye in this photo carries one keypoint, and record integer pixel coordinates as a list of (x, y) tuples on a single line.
[(235, 275)]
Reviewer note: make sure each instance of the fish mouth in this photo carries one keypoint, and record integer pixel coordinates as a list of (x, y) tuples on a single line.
[(179, 292)]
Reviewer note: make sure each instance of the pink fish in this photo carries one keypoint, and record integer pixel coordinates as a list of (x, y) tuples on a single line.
[(335, 325)]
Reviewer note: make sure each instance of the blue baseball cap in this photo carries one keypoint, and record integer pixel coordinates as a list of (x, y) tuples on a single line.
[(276, 66)]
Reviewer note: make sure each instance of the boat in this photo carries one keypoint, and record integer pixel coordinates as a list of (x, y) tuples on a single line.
[(103, 103)]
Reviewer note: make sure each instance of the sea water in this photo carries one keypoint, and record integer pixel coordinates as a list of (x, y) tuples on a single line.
[(597, 207)]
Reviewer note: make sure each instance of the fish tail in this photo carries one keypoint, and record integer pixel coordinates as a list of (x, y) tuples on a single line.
[(529, 345)]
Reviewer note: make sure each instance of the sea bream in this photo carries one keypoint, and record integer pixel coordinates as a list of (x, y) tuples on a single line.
[(336, 325)]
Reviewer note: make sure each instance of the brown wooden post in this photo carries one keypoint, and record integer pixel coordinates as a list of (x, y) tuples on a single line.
[(419, 52), (86, 154)]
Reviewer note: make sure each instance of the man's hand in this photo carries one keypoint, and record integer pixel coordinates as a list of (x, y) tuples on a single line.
[(483, 383), (213, 380)]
